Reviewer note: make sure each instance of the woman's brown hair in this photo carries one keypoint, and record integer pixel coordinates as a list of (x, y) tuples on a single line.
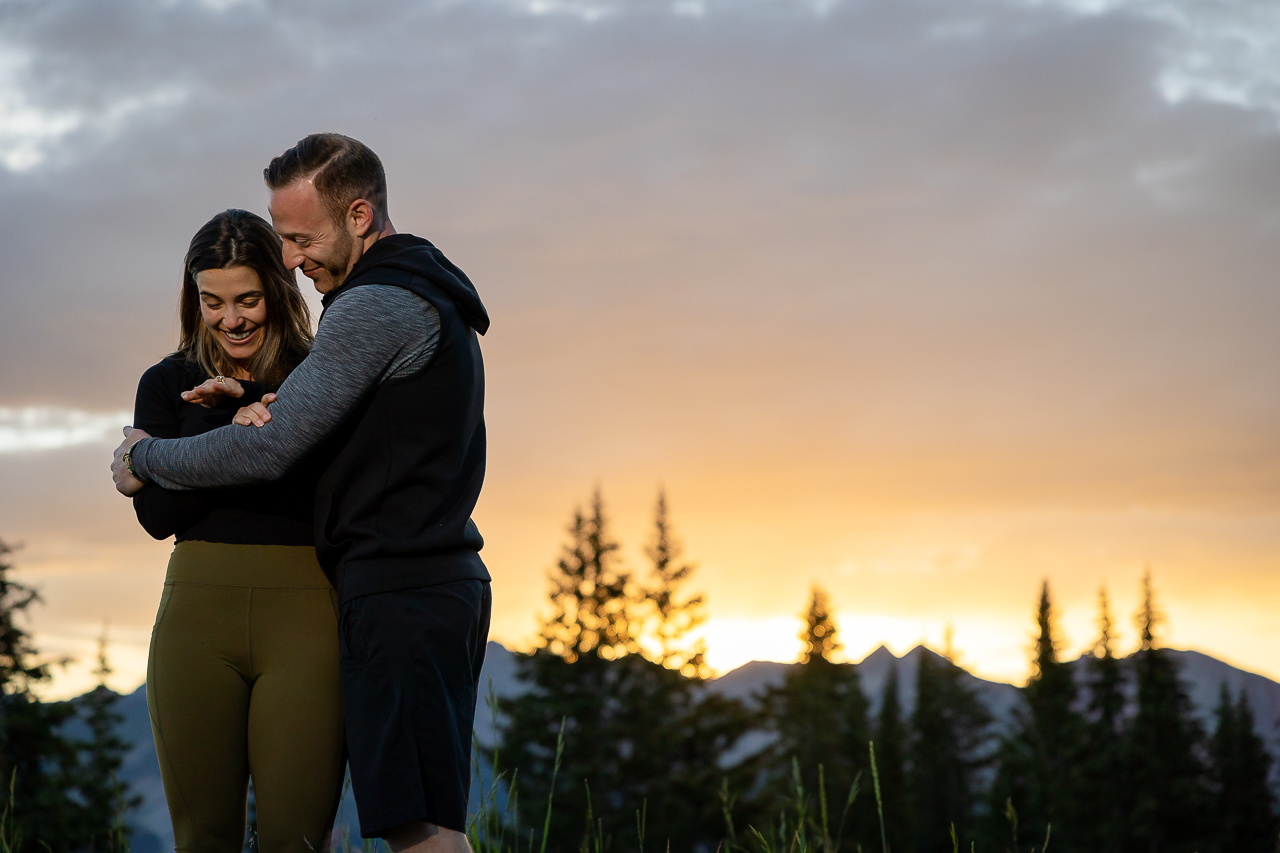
[(238, 238)]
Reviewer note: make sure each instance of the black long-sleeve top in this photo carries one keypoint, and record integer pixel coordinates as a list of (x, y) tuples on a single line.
[(277, 513)]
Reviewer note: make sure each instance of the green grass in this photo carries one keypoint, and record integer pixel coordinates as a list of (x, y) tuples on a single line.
[(10, 832), (494, 826)]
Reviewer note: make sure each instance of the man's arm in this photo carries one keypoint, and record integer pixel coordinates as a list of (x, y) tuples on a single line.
[(372, 333)]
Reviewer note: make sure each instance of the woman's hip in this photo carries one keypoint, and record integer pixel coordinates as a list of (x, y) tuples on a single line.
[(268, 566)]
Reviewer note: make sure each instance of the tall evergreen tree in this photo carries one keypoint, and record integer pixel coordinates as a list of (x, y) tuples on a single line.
[(891, 761), (676, 614), (949, 729), (35, 757), (594, 597), (638, 735), (1104, 794), (1244, 806), (819, 714), (55, 780), (1039, 759), (1171, 798), (104, 796)]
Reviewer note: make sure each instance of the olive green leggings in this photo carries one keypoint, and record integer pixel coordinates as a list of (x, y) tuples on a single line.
[(243, 681)]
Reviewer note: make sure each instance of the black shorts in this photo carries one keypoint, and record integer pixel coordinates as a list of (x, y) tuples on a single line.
[(410, 671)]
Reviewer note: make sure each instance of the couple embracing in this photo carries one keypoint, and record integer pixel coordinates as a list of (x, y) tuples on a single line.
[(325, 601)]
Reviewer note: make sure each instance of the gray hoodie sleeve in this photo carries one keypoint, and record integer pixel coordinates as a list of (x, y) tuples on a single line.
[(373, 333)]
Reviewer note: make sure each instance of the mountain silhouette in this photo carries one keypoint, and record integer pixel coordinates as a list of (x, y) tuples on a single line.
[(1202, 674)]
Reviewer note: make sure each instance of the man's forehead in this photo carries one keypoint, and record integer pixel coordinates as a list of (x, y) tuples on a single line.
[(300, 196)]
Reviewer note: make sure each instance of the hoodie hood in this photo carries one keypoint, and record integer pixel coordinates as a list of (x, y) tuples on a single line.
[(398, 256)]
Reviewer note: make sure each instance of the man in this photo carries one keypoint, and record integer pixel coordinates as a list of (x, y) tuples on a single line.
[(392, 398)]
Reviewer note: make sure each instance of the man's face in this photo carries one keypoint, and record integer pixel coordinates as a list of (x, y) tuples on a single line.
[(324, 249)]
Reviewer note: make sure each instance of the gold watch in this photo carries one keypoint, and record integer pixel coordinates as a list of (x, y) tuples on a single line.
[(128, 462)]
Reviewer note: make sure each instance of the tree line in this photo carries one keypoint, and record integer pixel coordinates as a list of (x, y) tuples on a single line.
[(618, 732), (58, 760)]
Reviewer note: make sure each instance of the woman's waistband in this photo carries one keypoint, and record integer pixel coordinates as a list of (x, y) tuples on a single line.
[(220, 564)]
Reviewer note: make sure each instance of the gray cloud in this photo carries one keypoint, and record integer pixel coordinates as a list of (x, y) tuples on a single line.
[(858, 279), (990, 232)]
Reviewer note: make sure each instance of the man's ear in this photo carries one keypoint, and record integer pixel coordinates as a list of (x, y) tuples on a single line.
[(361, 218)]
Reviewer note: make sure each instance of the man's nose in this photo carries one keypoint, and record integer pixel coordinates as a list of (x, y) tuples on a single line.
[(291, 256)]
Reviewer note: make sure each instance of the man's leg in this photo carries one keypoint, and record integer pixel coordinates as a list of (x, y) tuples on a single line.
[(410, 671), (423, 837)]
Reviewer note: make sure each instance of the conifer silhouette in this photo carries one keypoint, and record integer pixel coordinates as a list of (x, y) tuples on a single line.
[(676, 614), (949, 732), (1171, 800), (636, 732), (594, 597), (59, 783), (819, 715), (1039, 759), (891, 759), (1244, 806), (1104, 793)]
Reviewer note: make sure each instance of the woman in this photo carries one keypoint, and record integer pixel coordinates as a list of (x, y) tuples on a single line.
[(242, 678)]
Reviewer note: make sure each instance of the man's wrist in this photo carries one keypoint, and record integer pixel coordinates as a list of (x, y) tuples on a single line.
[(134, 459)]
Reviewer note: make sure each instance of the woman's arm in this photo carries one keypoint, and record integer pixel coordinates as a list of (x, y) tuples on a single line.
[(164, 512)]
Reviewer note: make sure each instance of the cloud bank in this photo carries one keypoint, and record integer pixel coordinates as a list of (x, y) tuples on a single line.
[(45, 428), (855, 278)]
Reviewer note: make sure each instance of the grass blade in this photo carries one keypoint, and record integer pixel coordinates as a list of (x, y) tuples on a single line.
[(555, 771), (875, 777)]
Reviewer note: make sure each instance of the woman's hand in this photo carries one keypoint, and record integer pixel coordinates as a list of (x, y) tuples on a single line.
[(255, 414), (208, 392)]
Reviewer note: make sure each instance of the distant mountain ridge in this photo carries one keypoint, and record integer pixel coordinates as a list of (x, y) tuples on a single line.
[(1202, 674)]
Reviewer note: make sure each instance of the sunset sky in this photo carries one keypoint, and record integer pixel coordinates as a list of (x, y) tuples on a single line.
[(925, 301)]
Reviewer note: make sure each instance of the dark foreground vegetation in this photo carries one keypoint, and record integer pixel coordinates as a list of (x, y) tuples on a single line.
[(618, 745), (58, 760)]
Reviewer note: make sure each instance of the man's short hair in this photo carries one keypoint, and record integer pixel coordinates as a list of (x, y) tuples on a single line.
[(341, 168)]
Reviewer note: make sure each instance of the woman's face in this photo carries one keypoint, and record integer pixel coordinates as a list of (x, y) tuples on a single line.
[(234, 308)]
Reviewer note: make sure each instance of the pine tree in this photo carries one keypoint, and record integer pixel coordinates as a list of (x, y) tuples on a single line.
[(819, 633), (891, 759), (1039, 759), (595, 600), (1171, 797), (104, 797), (1244, 806), (18, 667), (637, 735), (1104, 793), (819, 714), (675, 614), (35, 757), (949, 732)]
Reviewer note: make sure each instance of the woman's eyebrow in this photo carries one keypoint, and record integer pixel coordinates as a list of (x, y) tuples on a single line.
[(258, 292)]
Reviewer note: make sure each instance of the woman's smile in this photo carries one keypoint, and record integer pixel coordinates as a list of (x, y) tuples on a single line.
[(241, 336)]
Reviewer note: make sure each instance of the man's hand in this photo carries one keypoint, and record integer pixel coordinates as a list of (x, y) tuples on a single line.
[(255, 414), (208, 391), (127, 484)]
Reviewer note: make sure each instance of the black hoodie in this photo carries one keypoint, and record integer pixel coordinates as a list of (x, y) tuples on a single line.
[(393, 507)]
